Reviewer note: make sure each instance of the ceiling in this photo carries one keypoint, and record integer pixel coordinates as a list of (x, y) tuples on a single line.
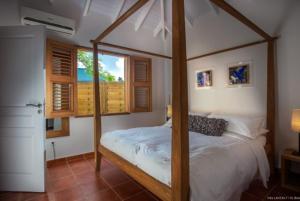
[(155, 16)]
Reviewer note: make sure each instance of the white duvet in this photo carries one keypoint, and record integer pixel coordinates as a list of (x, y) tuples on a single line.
[(221, 168)]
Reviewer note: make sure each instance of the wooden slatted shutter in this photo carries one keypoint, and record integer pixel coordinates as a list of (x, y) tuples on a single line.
[(61, 79), (141, 84)]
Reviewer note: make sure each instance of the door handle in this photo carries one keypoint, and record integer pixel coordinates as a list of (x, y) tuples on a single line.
[(39, 105)]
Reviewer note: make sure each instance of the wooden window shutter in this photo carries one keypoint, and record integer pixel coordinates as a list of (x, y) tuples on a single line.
[(141, 84), (61, 79)]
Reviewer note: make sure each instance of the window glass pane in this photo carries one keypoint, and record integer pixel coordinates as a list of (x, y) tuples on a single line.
[(112, 83)]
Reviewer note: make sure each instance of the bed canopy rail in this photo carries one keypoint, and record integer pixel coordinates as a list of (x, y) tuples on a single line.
[(134, 50), (240, 17), (229, 49), (179, 190)]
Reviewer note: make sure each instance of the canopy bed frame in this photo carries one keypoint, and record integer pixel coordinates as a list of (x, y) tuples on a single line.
[(179, 190)]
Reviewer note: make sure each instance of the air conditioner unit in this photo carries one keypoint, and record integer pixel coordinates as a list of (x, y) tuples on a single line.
[(52, 22)]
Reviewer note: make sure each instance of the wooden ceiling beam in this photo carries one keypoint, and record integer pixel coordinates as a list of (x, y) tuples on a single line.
[(240, 17), (230, 49), (134, 50), (121, 19)]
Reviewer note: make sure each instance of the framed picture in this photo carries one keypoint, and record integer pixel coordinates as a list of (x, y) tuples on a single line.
[(239, 75), (204, 79)]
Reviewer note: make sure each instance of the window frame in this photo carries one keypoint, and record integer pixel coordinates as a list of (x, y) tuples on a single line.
[(126, 78), (60, 79), (134, 84), (64, 132)]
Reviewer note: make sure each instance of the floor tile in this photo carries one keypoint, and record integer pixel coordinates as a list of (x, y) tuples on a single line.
[(104, 164), (58, 172), (256, 188), (74, 179), (80, 166), (94, 186), (143, 196), (106, 195), (151, 194), (249, 197), (114, 177), (283, 193), (71, 194), (127, 189), (61, 184), (86, 177), (44, 197), (11, 196)]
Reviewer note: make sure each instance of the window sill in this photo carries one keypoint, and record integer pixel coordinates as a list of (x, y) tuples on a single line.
[(111, 114)]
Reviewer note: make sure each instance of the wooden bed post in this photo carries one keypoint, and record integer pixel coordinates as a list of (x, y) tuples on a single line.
[(271, 101), (97, 109), (180, 137)]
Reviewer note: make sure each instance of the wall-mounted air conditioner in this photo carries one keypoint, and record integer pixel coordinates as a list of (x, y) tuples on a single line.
[(52, 22)]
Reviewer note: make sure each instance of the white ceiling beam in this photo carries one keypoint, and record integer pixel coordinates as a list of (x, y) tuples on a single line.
[(157, 29), (144, 13), (86, 7), (188, 20), (213, 7), (168, 29), (119, 10), (163, 18)]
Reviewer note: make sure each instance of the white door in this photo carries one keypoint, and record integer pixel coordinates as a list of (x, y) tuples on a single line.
[(22, 121)]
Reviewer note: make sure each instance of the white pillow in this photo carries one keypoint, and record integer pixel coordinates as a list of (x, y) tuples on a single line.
[(168, 123), (249, 126), (202, 114), (243, 137)]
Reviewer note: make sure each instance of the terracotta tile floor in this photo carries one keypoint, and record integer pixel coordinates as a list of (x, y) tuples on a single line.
[(74, 179)]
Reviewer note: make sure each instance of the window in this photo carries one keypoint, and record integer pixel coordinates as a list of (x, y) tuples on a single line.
[(60, 85), (60, 80), (57, 127), (113, 83), (141, 84)]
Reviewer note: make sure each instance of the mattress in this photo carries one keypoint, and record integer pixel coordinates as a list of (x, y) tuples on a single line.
[(221, 168)]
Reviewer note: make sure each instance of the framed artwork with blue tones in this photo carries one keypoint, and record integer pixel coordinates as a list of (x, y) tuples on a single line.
[(204, 79), (239, 75)]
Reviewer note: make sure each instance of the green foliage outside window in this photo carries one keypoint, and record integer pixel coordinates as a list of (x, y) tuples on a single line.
[(86, 58)]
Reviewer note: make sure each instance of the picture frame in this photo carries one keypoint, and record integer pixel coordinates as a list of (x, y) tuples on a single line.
[(239, 74), (204, 79)]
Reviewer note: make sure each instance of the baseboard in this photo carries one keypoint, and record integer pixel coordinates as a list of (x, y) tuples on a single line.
[(69, 158)]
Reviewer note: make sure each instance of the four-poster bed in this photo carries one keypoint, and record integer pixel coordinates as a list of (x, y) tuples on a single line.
[(179, 190)]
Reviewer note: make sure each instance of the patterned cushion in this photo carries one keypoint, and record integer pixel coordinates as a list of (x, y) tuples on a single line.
[(207, 126)]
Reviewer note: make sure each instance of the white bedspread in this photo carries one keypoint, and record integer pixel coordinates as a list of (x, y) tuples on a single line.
[(221, 168)]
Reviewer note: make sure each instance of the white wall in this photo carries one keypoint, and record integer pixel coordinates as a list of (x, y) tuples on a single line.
[(220, 97), (288, 49), (81, 129), (9, 13)]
